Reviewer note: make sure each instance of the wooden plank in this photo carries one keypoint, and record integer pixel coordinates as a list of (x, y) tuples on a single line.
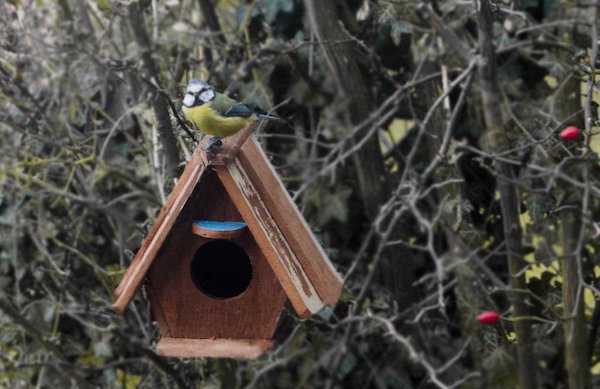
[(294, 281), (158, 233), (213, 348), (292, 224)]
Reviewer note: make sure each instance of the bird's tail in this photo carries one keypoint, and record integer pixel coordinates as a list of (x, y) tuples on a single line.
[(269, 116), (261, 114)]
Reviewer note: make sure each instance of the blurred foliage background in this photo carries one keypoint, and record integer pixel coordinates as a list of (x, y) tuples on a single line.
[(389, 157)]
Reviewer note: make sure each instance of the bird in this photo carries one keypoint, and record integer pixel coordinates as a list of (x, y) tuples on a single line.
[(217, 114)]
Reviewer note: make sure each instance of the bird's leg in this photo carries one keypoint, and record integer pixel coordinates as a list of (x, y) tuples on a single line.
[(213, 145), (216, 154)]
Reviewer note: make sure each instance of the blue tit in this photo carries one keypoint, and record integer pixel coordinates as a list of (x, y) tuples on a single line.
[(216, 114)]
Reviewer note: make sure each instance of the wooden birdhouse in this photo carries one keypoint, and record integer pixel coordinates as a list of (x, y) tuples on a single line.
[(226, 251)]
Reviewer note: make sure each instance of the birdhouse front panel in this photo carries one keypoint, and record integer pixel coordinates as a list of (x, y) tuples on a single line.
[(202, 287)]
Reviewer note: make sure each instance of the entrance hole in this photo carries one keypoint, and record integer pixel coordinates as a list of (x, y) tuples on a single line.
[(221, 269)]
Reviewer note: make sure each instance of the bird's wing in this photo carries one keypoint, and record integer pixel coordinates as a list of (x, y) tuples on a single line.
[(223, 103), (229, 107), (239, 110)]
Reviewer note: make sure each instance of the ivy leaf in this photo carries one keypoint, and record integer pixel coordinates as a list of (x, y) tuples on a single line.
[(104, 5), (273, 7), (548, 4), (398, 28), (500, 367), (102, 349), (347, 365), (333, 206)]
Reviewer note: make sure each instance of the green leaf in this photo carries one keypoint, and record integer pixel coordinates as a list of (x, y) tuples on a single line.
[(347, 365), (104, 5), (548, 4), (397, 29), (276, 6), (595, 141), (103, 349), (500, 369), (128, 381)]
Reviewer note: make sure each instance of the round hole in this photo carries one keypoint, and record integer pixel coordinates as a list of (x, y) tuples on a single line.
[(221, 269)]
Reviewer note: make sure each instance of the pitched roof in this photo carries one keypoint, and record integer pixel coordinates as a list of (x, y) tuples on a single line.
[(297, 259)]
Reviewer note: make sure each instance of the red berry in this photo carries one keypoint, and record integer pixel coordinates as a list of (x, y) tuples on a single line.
[(488, 317), (570, 133)]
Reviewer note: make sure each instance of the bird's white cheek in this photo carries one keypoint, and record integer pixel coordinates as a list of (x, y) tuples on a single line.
[(207, 95), (188, 100)]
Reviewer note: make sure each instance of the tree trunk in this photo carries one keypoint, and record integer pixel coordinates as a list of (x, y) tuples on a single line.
[(497, 141), (212, 20), (567, 104), (343, 66), (159, 101)]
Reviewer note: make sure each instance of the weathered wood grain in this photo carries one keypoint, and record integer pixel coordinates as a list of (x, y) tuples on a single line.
[(283, 261), (213, 348), (290, 221)]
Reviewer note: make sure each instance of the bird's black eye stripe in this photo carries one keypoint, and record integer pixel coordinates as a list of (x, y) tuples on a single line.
[(200, 91)]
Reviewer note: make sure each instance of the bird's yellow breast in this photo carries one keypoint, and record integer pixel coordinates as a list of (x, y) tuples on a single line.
[(212, 123)]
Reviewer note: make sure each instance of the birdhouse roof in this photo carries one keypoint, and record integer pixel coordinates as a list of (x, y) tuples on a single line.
[(296, 258)]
